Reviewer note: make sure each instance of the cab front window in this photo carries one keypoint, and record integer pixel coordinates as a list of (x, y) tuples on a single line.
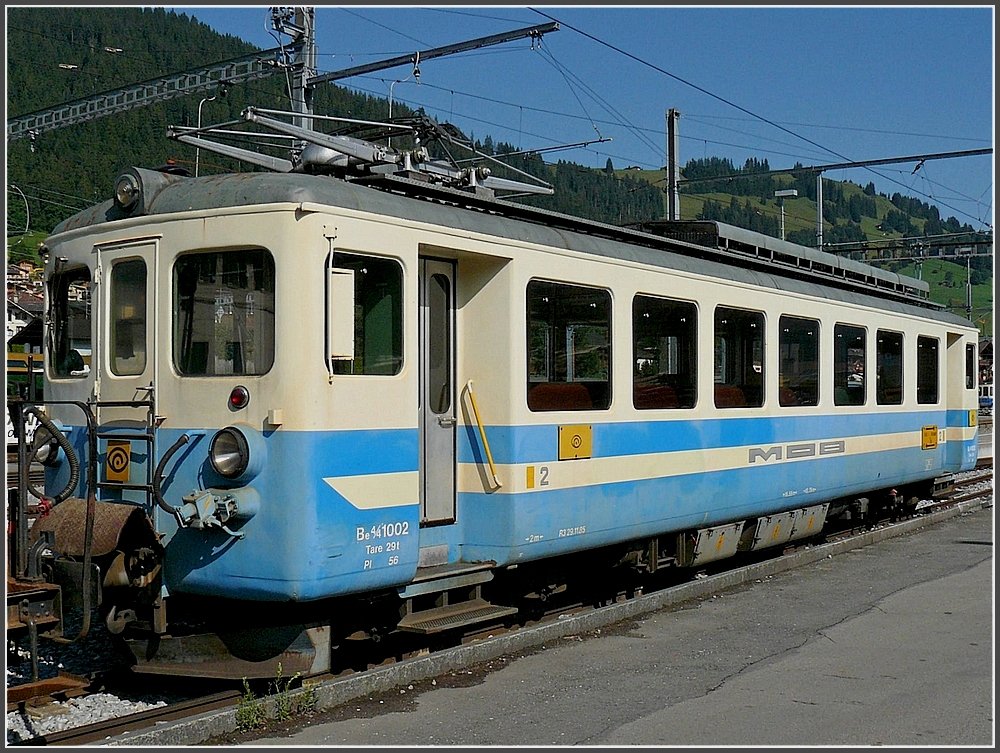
[(69, 342), (223, 313)]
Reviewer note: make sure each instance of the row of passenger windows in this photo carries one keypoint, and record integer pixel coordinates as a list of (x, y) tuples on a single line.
[(223, 323), (223, 315), (569, 356)]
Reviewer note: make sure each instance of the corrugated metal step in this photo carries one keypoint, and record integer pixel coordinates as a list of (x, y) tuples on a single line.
[(451, 616), (450, 570)]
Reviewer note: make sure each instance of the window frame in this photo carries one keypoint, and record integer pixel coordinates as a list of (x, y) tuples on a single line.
[(60, 334), (398, 314), (843, 366), (971, 366), (728, 393), (571, 394), (817, 341), (269, 272), (921, 388), (682, 392), (880, 388)]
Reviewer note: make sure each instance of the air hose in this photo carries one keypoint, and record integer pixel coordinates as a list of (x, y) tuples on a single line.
[(158, 476), (63, 442)]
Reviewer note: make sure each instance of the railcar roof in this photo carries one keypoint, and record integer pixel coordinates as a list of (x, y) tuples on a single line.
[(700, 247)]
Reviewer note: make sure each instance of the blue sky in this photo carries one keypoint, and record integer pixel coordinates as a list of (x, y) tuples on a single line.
[(815, 85)]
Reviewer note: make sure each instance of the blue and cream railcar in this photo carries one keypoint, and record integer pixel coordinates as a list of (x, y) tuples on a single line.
[(317, 389)]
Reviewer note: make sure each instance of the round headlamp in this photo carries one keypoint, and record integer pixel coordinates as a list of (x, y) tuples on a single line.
[(127, 191), (229, 452)]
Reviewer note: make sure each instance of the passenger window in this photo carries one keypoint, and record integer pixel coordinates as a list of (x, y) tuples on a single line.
[(798, 361), (848, 365), (927, 370), (739, 358), (224, 313), (378, 316), (569, 347), (128, 317), (664, 346), (889, 368), (69, 343), (970, 367)]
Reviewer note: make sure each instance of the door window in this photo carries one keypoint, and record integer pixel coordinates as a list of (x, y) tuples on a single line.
[(128, 317), (439, 344)]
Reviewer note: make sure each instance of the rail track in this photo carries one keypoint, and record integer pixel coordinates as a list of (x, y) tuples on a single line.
[(108, 728), (950, 491)]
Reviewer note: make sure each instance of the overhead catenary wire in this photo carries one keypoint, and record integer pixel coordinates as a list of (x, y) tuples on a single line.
[(246, 87), (593, 120), (637, 130), (701, 89), (720, 98), (847, 128), (416, 103), (27, 210)]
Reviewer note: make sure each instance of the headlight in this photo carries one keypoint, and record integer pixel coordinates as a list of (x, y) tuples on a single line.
[(127, 190), (229, 453)]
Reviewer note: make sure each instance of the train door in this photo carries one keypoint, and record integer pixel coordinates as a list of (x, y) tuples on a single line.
[(125, 363), (437, 391)]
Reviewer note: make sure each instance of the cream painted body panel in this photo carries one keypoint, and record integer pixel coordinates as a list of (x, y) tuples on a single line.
[(491, 282)]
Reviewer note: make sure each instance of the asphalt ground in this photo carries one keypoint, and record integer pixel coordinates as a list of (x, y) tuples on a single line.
[(886, 640)]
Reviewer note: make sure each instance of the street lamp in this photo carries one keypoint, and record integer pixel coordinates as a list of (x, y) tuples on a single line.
[(197, 151), (781, 196), (415, 75)]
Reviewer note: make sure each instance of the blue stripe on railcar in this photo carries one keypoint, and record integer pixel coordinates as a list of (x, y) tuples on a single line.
[(311, 550), (524, 527), (307, 541)]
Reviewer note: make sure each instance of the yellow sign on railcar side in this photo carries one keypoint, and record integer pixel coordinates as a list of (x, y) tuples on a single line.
[(117, 461), (929, 438), (576, 441)]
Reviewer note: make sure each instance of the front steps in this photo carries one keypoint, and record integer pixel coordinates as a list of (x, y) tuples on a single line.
[(447, 597)]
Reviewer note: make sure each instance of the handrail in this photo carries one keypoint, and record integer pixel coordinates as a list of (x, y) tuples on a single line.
[(482, 434)]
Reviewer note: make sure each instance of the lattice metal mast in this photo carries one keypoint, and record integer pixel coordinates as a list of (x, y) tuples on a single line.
[(226, 72)]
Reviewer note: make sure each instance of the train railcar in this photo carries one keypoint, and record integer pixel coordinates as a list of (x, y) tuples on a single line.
[(316, 405)]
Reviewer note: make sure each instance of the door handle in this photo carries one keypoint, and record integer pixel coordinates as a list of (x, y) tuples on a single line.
[(446, 421)]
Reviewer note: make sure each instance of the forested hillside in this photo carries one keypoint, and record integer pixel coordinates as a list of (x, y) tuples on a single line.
[(58, 54)]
